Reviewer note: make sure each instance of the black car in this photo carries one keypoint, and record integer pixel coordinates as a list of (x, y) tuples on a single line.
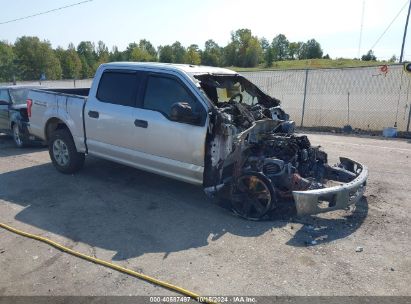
[(13, 114)]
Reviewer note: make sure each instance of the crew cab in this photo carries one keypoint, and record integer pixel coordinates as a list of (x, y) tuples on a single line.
[(202, 125)]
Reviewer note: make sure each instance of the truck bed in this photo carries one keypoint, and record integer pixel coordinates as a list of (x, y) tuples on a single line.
[(74, 91), (58, 104)]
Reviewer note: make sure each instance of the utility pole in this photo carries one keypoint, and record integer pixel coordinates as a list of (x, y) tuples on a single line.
[(405, 33), (361, 28)]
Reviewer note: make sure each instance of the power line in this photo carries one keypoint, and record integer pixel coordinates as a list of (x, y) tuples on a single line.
[(46, 12), (388, 27)]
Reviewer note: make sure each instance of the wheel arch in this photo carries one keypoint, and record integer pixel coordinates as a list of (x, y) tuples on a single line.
[(52, 124)]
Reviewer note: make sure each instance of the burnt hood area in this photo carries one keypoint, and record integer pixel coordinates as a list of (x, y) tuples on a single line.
[(239, 102)]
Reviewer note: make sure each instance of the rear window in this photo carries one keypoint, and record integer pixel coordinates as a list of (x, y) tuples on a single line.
[(19, 96), (119, 88)]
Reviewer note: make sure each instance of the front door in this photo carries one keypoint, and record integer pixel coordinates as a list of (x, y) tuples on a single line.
[(173, 145)]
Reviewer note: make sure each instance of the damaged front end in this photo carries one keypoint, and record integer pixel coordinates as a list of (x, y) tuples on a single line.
[(255, 159)]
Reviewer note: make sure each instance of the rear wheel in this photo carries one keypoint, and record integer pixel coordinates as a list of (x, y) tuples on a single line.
[(253, 196), (17, 136), (63, 152)]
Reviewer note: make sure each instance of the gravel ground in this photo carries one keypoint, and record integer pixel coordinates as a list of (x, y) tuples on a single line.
[(170, 230)]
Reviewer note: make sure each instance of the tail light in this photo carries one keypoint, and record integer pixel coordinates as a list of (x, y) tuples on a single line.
[(29, 105)]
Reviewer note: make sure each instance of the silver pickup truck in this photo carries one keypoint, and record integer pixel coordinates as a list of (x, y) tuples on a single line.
[(202, 125)]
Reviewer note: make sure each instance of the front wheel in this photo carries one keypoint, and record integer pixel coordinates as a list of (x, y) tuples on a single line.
[(253, 196), (63, 152)]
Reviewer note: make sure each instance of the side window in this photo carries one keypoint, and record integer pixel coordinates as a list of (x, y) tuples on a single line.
[(4, 95), (163, 92), (119, 87)]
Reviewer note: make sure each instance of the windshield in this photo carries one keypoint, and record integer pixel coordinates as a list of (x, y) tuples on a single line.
[(19, 96), (223, 89), (236, 92)]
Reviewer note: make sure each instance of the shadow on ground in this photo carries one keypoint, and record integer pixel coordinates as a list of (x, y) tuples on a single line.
[(7, 147), (322, 228), (132, 212)]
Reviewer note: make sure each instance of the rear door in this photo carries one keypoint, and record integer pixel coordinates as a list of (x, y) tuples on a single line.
[(110, 114), (4, 110)]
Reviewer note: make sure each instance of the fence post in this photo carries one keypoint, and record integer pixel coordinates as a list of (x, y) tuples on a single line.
[(305, 96), (348, 113), (409, 109)]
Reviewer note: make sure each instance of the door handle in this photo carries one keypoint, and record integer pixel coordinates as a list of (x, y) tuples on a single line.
[(141, 123), (93, 114)]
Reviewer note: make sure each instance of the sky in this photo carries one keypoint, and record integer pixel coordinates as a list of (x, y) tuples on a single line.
[(335, 24)]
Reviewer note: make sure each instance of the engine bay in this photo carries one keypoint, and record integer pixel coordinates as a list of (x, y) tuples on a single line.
[(254, 157)]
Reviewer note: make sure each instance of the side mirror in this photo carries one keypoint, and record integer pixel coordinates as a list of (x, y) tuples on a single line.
[(182, 112), (4, 102)]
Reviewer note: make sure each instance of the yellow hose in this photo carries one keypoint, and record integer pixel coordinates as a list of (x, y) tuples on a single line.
[(107, 264)]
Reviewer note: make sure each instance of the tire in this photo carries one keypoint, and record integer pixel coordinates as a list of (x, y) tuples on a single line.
[(17, 136), (244, 202), (63, 152)]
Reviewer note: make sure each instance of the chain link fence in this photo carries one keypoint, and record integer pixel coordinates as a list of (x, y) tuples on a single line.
[(366, 98)]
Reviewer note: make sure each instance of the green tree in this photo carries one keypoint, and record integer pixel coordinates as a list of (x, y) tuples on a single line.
[(86, 70), (35, 58), (230, 54), (265, 46), (369, 56), (253, 53), (70, 62), (139, 54), (165, 53), (311, 50), (59, 51), (72, 65), (175, 53), (6, 61), (143, 51), (294, 50), (280, 46), (244, 50), (87, 50), (149, 48), (269, 57), (241, 40), (129, 50), (212, 54), (193, 55), (116, 55), (179, 52), (88, 58), (102, 53)]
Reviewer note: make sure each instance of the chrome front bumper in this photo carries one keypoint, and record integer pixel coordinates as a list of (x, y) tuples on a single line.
[(333, 198)]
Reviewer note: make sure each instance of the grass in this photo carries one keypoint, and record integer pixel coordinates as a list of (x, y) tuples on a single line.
[(312, 64)]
